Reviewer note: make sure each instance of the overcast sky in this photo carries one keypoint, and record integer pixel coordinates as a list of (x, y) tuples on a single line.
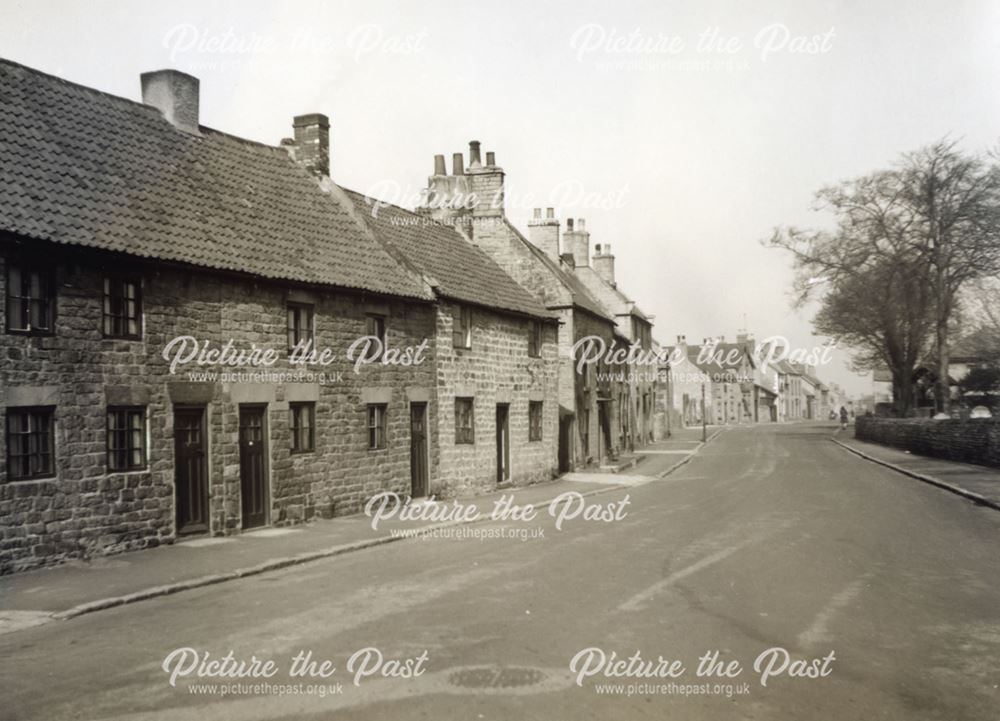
[(681, 156)]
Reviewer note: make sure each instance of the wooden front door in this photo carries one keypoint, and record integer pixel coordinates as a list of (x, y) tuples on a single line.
[(565, 443), (253, 466), (418, 450), (503, 442), (190, 477)]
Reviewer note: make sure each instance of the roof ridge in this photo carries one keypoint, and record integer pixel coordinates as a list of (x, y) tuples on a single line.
[(559, 272), (136, 103)]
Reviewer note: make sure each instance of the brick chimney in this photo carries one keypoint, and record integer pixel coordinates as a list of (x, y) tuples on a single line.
[(577, 242), (446, 196), (486, 183), (604, 263), (175, 94), (544, 232), (312, 143)]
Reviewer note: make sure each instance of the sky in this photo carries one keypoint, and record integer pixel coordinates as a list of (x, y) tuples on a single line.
[(683, 132)]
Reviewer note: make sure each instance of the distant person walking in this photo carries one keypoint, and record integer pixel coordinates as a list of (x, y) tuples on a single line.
[(843, 418)]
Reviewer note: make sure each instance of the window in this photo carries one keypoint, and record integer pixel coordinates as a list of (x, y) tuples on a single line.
[(122, 308), (30, 300), (534, 420), (303, 427), (375, 326), (535, 339), (465, 431), (462, 327), (126, 439), (30, 443), (300, 324), (376, 426)]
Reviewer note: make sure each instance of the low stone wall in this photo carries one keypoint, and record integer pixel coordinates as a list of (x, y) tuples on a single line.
[(969, 441)]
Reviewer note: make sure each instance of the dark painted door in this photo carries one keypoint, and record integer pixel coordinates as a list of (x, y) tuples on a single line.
[(503, 442), (253, 466), (190, 478), (418, 449), (565, 442)]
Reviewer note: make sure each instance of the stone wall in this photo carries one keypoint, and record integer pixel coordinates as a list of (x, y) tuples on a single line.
[(85, 510), (496, 369), (969, 441)]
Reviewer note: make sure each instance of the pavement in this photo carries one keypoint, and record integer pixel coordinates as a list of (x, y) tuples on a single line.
[(980, 484), (770, 540), (34, 597)]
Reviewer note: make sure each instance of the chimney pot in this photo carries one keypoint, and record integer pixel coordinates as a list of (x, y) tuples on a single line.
[(175, 95), (457, 164), (544, 233), (581, 224), (474, 161), (491, 159), (604, 263), (312, 142), (439, 168), (550, 212), (569, 225)]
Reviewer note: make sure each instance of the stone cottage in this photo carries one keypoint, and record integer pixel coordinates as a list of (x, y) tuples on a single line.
[(202, 335)]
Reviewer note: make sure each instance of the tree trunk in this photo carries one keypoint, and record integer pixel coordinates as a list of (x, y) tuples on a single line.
[(942, 390), (902, 393)]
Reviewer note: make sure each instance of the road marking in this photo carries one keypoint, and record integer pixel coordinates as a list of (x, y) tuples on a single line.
[(17, 620), (640, 599), (818, 632)]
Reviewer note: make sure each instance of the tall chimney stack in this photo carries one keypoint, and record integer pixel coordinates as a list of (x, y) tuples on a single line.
[(604, 263), (486, 183), (544, 232), (577, 242), (175, 94), (312, 143)]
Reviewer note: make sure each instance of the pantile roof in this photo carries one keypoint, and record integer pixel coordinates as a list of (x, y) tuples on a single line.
[(452, 265), (82, 167)]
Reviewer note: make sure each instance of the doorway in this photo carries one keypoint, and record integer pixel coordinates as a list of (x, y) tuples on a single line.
[(418, 450), (253, 466), (190, 476), (503, 443)]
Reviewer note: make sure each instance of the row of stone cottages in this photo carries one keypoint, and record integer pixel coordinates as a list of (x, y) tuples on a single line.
[(142, 253)]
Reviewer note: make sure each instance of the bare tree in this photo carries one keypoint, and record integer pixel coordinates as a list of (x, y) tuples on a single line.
[(935, 217), (954, 202)]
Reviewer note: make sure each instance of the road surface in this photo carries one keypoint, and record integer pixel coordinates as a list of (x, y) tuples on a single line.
[(771, 538)]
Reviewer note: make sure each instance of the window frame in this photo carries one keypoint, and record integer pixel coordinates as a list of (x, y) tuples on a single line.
[(462, 335), (128, 430), (295, 333), (372, 322), (107, 298), (375, 424), (48, 297), (50, 413), (295, 426), (536, 420), (535, 339), (465, 435)]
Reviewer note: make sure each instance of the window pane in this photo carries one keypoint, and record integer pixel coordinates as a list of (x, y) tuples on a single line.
[(16, 319), (15, 282)]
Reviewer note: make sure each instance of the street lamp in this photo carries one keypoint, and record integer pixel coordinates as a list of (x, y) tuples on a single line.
[(704, 427)]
